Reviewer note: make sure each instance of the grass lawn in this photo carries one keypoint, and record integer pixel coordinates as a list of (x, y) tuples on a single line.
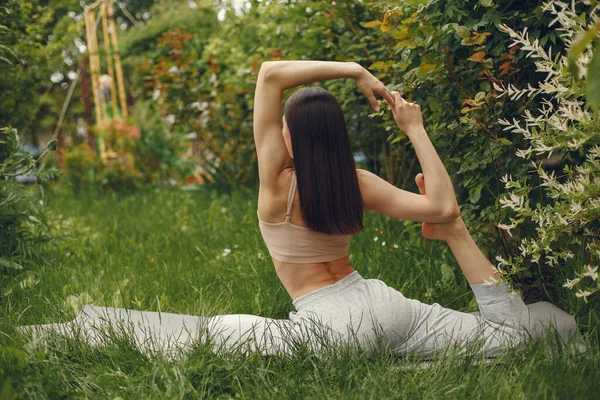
[(201, 253)]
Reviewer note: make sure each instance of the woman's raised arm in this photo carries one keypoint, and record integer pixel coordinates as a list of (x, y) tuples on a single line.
[(273, 79), (438, 204)]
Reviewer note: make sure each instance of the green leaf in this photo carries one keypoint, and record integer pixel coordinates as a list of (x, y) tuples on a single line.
[(385, 27), (475, 193), (428, 67), (7, 49), (463, 32), (378, 65), (396, 139), (592, 84), (9, 264), (372, 24), (401, 34)]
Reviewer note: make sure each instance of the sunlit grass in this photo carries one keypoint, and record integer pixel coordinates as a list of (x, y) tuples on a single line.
[(201, 253)]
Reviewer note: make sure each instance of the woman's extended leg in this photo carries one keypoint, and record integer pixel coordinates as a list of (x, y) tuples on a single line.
[(503, 319), (174, 334), (538, 318)]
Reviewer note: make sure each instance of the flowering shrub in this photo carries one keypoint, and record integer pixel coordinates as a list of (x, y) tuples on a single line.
[(445, 55), (119, 134), (205, 98), (563, 207), (115, 170), (159, 154), (118, 167)]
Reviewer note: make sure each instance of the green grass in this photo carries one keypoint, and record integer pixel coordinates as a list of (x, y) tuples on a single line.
[(163, 249)]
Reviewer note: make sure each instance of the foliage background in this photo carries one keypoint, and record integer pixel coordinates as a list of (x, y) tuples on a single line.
[(190, 77), (190, 70)]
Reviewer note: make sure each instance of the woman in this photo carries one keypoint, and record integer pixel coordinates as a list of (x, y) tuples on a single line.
[(308, 234), (311, 200)]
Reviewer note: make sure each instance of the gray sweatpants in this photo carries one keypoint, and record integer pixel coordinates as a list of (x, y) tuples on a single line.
[(368, 313), (354, 310)]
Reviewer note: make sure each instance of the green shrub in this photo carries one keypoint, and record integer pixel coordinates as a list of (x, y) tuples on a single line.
[(23, 221), (159, 154), (566, 217), (81, 167), (445, 55)]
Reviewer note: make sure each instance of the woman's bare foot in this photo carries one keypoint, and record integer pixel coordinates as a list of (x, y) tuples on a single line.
[(442, 231)]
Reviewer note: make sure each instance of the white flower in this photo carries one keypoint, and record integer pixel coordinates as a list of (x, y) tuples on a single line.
[(383, 243), (583, 293), (395, 246), (226, 252), (591, 272), (375, 239), (507, 228), (571, 282)]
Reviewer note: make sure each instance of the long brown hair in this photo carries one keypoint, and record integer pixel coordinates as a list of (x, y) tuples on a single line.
[(327, 183)]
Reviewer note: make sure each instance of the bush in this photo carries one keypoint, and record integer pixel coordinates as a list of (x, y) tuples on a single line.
[(449, 56), (23, 220), (81, 167), (563, 208), (159, 154), (113, 170), (132, 153)]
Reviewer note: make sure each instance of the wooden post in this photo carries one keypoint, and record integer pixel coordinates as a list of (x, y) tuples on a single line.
[(87, 103), (90, 28), (109, 60), (119, 70)]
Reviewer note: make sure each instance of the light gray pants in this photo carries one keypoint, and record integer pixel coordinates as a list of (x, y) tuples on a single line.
[(365, 312)]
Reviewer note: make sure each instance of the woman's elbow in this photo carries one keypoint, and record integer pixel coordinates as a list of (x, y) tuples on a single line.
[(450, 213), (267, 71)]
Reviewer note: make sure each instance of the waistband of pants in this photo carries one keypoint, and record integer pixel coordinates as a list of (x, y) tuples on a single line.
[(317, 294)]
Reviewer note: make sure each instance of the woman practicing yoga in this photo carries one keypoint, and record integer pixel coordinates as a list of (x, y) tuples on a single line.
[(308, 236), (311, 200)]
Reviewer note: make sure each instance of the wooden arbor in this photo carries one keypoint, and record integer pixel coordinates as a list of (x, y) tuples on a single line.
[(113, 60)]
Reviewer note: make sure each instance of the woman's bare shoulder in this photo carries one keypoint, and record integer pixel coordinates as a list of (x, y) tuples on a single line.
[(367, 181), (368, 178)]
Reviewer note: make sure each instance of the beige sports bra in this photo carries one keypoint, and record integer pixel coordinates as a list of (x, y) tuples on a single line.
[(298, 244)]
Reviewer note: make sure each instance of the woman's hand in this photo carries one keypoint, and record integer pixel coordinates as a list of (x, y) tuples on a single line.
[(407, 115), (371, 86)]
